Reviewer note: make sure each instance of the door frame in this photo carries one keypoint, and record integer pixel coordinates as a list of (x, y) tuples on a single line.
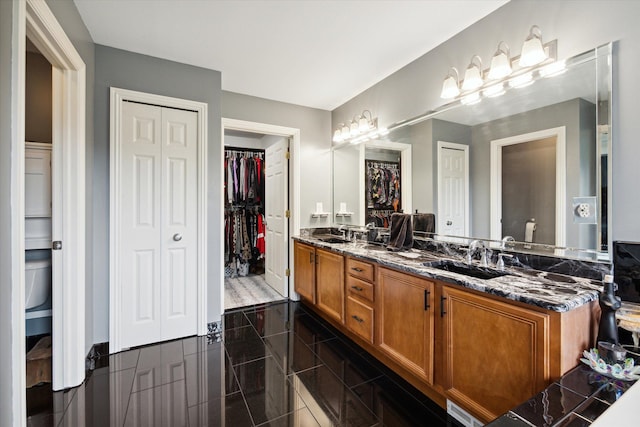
[(68, 192), (561, 179), (294, 188), (117, 97), (465, 148)]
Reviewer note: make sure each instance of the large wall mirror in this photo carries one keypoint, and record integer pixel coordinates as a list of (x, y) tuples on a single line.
[(533, 164)]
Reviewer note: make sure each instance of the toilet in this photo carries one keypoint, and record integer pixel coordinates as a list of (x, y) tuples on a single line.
[(37, 282)]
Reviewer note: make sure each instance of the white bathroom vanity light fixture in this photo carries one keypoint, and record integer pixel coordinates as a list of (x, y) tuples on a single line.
[(537, 60), (500, 63), (362, 127), (450, 86), (473, 75), (533, 52)]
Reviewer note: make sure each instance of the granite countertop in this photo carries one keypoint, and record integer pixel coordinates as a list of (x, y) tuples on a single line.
[(551, 291)]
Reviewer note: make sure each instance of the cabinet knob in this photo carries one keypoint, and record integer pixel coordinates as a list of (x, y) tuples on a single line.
[(449, 223), (177, 237)]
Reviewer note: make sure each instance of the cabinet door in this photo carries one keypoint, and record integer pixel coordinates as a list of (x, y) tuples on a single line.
[(37, 183), (305, 271), (330, 283), (495, 352), (404, 311)]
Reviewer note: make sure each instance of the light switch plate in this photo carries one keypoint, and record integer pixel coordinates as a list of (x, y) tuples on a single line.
[(584, 210)]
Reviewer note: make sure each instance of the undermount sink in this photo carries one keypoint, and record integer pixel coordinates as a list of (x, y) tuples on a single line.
[(478, 272)]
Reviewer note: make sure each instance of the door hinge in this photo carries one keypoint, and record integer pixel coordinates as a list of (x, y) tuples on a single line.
[(287, 155), (287, 272), (287, 213)]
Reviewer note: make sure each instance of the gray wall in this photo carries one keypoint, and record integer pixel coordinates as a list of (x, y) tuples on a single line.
[(38, 99), (315, 145), (578, 26), (128, 70), (529, 189)]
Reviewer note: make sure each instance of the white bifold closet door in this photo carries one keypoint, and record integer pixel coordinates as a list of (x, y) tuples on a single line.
[(158, 212)]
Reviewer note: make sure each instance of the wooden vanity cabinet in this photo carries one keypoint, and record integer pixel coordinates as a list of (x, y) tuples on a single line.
[(319, 278), (496, 353), (304, 257), (330, 284), (485, 353), (405, 321)]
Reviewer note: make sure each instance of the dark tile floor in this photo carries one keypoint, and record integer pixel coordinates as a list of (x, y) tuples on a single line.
[(278, 365)]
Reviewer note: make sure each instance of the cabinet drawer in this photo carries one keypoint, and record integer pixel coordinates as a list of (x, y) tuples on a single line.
[(360, 288), (360, 319), (360, 269)]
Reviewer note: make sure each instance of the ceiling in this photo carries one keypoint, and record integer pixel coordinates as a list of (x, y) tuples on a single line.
[(316, 53)]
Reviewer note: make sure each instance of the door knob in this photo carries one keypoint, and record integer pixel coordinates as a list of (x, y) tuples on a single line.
[(177, 237), (449, 222)]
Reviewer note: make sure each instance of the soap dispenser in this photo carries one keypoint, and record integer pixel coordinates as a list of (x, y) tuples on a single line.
[(609, 304)]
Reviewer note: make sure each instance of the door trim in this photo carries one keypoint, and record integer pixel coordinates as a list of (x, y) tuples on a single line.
[(117, 97), (561, 179), (294, 192), (465, 148), (68, 196)]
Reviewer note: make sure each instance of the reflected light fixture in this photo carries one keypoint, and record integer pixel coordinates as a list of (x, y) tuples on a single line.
[(337, 135), (494, 91), (553, 69), (523, 80), (362, 127), (450, 88), (472, 98), (473, 74), (500, 63), (532, 50)]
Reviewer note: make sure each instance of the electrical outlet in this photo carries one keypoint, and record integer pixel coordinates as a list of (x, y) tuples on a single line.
[(584, 210)]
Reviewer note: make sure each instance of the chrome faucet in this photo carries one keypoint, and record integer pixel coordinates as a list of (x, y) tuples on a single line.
[(507, 241), (500, 263), (475, 244), (346, 235)]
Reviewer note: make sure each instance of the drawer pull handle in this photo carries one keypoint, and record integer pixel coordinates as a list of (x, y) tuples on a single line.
[(359, 270), (426, 300), (442, 312), (357, 288), (357, 319)]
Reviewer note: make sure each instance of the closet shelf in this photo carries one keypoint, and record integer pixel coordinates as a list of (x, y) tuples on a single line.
[(319, 214), (344, 213)]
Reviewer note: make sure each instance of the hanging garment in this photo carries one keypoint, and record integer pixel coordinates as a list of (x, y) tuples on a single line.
[(260, 242)]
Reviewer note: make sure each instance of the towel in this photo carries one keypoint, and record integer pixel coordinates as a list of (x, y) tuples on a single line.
[(401, 232), (425, 222)]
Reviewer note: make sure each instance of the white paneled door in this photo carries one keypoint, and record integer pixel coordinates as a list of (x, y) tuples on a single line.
[(158, 217), (453, 181), (276, 205)]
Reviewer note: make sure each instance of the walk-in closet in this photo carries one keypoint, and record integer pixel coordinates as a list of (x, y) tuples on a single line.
[(245, 225), (383, 190)]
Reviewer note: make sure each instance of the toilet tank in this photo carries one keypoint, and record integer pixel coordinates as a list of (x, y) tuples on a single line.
[(37, 282)]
